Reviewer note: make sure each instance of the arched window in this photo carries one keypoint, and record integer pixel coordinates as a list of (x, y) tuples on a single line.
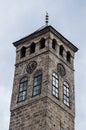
[(23, 52), (37, 83), (66, 94), (54, 44), (55, 84), (61, 49), (32, 48), (68, 56), (42, 43), (22, 89)]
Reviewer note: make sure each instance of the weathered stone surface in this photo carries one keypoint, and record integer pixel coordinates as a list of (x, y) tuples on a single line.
[(44, 111)]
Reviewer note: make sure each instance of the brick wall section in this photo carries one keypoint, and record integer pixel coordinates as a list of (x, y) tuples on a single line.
[(58, 118), (43, 114), (29, 117)]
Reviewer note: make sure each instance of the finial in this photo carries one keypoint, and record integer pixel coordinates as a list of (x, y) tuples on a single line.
[(46, 19)]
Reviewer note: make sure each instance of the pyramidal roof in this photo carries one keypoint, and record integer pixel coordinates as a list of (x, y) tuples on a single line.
[(43, 30)]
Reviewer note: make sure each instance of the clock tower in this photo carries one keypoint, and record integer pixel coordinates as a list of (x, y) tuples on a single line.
[(43, 87)]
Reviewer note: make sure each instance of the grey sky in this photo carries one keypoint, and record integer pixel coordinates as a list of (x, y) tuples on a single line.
[(19, 18)]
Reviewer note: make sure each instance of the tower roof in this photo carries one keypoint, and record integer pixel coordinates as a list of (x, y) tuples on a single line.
[(44, 30)]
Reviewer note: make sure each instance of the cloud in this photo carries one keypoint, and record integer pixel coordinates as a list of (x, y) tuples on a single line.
[(20, 18), (4, 107)]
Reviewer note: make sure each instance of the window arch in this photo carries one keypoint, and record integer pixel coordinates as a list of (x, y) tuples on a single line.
[(54, 44), (42, 43), (37, 83), (66, 94), (23, 52), (68, 56), (55, 84), (22, 89), (32, 48), (61, 49)]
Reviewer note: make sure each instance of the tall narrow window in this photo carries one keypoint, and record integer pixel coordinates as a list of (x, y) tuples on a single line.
[(68, 56), (23, 52), (32, 48), (54, 44), (66, 94), (37, 83), (55, 84), (61, 49), (42, 43), (22, 89)]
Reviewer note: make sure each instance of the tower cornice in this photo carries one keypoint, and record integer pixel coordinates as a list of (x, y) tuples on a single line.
[(44, 30)]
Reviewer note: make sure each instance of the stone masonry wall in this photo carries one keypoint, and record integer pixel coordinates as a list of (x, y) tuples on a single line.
[(44, 111), (29, 117), (58, 118)]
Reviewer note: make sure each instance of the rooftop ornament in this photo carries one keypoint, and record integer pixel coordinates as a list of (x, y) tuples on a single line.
[(46, 19)]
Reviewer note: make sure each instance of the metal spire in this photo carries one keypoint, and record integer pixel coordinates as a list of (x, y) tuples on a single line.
[(46, 19)]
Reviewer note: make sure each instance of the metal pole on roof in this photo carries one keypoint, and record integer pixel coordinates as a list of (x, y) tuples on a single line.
[(46, 19)]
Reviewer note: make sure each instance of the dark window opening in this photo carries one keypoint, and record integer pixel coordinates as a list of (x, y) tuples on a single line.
[(37, 83), (61, 50), (22, 89), (68, 56), (32, 48), (42, 43), (66, 94), (54, 44), (23, 52)]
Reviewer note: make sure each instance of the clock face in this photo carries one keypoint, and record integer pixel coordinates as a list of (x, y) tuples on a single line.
[(31, 67), (61, 69)]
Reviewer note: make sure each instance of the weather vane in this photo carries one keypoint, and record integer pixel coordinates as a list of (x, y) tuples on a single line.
[(46, 19)]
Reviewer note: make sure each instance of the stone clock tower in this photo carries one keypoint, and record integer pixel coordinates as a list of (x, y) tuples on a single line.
[(43, 88)]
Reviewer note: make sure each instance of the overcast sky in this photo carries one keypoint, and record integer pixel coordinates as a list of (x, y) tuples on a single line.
[(19, 18)]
